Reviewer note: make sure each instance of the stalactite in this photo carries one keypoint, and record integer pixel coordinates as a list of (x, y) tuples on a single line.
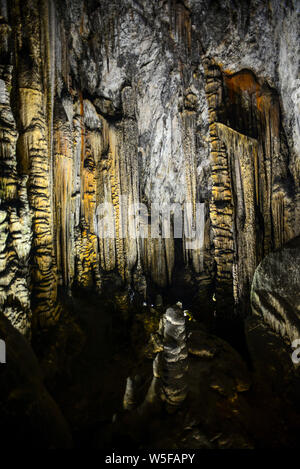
[(33, 147), (170, 365), (92, 132), (63, 170), (248, 160)]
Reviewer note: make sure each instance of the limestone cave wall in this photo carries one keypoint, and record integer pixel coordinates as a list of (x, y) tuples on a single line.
[(161, 102)]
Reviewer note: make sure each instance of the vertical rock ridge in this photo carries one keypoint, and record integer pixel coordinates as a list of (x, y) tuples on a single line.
[(15, 219), (126, 103), (251, 210)]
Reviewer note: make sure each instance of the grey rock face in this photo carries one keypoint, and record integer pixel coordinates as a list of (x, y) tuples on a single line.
[(260, 36), (174, 363), (120, 98), (275, 294)]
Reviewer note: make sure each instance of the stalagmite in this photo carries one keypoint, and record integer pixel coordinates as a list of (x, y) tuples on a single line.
[(97, 110), (171, 363), (149, 151), (129, 399)]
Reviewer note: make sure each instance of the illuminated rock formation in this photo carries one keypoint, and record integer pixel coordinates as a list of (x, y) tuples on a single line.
[(147, 102), (27, 409), (149, 151), (174, 363), (128, 400), (275, 293), (170, 365), (15, 224), (251, 208)]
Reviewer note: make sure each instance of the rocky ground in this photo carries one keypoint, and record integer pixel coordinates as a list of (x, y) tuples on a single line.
[(234, 400)]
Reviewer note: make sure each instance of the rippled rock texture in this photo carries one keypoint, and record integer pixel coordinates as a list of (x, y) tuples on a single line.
[(29, 415), (166, 103), (275, 295), (160, 102), (170, 365)]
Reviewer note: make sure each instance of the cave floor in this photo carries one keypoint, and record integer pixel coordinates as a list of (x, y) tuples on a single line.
[(234, 400)]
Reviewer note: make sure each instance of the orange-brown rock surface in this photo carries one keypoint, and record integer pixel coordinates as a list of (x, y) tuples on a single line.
[(107, 102)]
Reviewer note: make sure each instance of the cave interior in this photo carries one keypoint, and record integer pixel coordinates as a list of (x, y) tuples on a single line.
[(119, 118)]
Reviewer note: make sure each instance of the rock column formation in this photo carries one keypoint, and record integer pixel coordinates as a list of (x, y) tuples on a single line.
[(251, 210), (170, 365), (275, 295), (193, 103)]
